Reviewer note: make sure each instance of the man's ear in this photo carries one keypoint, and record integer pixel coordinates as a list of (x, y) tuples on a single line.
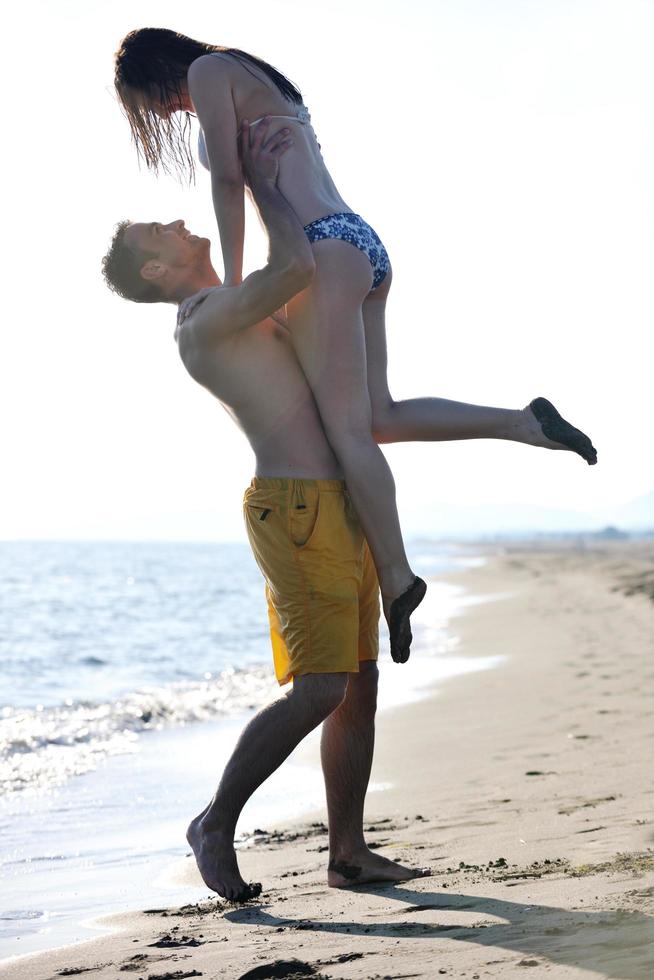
[(153, 269)]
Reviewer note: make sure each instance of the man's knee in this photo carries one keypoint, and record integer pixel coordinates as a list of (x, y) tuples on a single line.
[(323, 693), (362, 690)]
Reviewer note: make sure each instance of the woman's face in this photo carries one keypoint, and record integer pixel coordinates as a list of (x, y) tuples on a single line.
[(165, 109)]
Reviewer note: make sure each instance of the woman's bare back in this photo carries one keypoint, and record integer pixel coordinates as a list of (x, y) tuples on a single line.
[(304, 179)]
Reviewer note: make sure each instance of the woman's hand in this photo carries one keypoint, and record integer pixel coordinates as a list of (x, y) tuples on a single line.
[(188, 305)]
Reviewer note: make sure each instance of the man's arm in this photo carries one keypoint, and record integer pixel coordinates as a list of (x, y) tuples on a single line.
[(290, 264)]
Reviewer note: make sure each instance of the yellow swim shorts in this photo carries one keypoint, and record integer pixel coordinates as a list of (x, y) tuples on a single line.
[(321, 584)]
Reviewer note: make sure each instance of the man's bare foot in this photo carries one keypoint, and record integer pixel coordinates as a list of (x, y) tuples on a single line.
[(216, 860), (398, 616), (366, 867), (546, 428)]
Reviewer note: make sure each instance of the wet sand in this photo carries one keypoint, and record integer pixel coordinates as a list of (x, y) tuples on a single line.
[(527, 788)]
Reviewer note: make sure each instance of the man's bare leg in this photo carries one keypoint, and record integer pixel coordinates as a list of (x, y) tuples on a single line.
[(348, 740), (266, 741)]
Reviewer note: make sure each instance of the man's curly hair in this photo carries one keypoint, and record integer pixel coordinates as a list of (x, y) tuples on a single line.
[(121, 268)]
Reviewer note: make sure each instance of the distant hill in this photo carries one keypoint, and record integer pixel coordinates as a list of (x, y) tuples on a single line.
[(638, 514), (464, 521)]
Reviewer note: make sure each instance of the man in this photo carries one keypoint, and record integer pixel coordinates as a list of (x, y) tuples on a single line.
[(321, 585)]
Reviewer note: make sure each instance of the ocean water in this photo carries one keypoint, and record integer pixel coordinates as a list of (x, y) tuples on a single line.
[(101, 642), (126, 673)]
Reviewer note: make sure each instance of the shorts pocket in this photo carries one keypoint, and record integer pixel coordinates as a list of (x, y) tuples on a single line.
[(304, 517), (261, 502), (260, 510)]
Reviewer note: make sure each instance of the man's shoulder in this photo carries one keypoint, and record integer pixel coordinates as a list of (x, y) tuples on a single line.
[(206, 332), (213, 318), (230, 310)]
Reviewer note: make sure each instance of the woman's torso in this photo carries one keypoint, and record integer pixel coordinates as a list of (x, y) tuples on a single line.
[(304, 179)]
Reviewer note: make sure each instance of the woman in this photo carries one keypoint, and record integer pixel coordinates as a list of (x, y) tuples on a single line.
[(338, 323)]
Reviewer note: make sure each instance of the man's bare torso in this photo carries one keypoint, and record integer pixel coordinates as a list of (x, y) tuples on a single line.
[(256, 376)]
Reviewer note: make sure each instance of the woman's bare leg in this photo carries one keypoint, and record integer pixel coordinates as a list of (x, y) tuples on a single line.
[(434, 419), (326, 325)]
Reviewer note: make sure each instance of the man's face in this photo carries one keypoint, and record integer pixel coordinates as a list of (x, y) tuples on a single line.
[(176, 251), (173, 244)]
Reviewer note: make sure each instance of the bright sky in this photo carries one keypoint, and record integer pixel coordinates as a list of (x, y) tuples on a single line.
[(505, 153)]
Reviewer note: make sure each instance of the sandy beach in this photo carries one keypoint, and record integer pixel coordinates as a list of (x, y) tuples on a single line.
[(527, 789)]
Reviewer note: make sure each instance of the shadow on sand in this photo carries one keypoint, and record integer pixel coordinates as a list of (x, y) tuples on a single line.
[(618, 944)]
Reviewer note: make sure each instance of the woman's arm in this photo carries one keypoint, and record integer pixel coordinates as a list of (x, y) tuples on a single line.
[(210, 90)]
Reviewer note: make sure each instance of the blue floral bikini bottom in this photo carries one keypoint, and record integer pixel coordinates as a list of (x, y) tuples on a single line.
[(350, 227)]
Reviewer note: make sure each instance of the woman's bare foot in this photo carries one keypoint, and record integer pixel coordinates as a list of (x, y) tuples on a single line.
[(541, 425), (366, 867), (216, 860)]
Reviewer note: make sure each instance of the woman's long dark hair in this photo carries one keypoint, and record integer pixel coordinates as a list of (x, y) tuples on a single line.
[(153, 63)]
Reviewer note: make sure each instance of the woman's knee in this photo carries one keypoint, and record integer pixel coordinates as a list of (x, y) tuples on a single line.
[(383, 421)]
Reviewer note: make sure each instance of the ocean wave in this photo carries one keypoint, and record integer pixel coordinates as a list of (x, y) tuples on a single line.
[(47, 745)]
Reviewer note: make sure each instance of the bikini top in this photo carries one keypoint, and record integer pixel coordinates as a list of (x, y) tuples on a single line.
[(303, 117)]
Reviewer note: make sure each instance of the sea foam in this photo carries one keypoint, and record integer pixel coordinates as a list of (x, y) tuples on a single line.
[(47, 745)]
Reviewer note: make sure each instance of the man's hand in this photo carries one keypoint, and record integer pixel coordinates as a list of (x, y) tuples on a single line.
[(260, 155)]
